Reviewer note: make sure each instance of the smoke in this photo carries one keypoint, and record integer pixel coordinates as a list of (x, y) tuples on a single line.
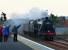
[(34, 13), (20, 19)]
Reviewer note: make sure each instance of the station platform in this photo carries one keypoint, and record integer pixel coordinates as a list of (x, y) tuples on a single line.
[(22, 44), (10, 45)]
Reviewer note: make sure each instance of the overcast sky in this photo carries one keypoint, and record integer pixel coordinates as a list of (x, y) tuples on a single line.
[(58, 7)]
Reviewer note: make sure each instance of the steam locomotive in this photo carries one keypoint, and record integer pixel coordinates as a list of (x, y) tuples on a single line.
[(42, 29)]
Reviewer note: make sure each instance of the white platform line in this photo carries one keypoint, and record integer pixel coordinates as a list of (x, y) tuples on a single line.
[(32, 44)]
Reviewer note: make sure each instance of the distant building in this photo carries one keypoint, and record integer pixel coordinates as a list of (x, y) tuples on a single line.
[(66, 23), (62, 20)]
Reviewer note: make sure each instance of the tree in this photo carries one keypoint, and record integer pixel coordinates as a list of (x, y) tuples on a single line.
[(54, 19), (3, 15), (3, 18)]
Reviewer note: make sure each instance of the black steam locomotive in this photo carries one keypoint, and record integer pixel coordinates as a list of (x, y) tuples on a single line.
[(42, 29)]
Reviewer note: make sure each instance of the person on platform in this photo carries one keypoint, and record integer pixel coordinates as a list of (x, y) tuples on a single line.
[(1, 28), (5, 33), (15, 32)]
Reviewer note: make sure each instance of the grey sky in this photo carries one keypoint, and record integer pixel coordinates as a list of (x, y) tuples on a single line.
[(58, 7)]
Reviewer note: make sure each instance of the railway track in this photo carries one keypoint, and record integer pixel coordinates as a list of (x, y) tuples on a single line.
[(56, 45), (60, 44), (62, 41)]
